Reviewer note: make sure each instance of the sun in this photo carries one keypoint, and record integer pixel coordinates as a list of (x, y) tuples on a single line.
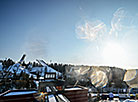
[(113, 54)]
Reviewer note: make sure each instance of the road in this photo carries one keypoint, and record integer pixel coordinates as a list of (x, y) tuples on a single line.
[(117, 100)]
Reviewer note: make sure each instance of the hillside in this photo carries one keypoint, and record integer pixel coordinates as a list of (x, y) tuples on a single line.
[(99, 76)]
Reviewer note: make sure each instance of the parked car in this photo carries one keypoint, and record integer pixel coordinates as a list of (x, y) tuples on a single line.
[(123, 96), (104, 96), (133, 93)]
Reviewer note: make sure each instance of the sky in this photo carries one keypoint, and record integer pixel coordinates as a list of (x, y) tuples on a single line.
[(86, 32)]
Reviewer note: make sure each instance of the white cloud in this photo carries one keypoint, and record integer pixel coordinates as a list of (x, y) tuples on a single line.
[(121, 21), (91, 30)]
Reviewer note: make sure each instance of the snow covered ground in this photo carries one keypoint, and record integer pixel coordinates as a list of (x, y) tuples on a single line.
[(117, 100)]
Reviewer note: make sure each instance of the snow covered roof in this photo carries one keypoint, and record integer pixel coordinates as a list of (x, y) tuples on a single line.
[(73, 89), (1, 67), (42, 70), (18, 92), (49, 69)]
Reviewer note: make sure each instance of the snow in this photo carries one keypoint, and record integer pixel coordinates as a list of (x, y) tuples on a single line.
[(51, 98), (41, 70), (1, 67), (20, 93), (48, 89), (49, 69), (37, 83), (26, 71), (62, 97), (18, 69), (15, 67), (73, 89), (128, 100)]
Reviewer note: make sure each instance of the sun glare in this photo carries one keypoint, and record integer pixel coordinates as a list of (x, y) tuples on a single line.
[(113, 54)]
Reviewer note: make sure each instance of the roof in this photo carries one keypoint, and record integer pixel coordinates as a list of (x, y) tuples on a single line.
[(18, 92)]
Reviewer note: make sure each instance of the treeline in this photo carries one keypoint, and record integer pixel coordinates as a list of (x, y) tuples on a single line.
[(7, 63), (58, 67)]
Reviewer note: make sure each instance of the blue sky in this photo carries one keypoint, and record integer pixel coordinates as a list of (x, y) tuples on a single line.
[(95, 32)]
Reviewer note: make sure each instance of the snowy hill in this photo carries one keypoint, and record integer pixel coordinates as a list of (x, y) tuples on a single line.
[(100, 76)]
